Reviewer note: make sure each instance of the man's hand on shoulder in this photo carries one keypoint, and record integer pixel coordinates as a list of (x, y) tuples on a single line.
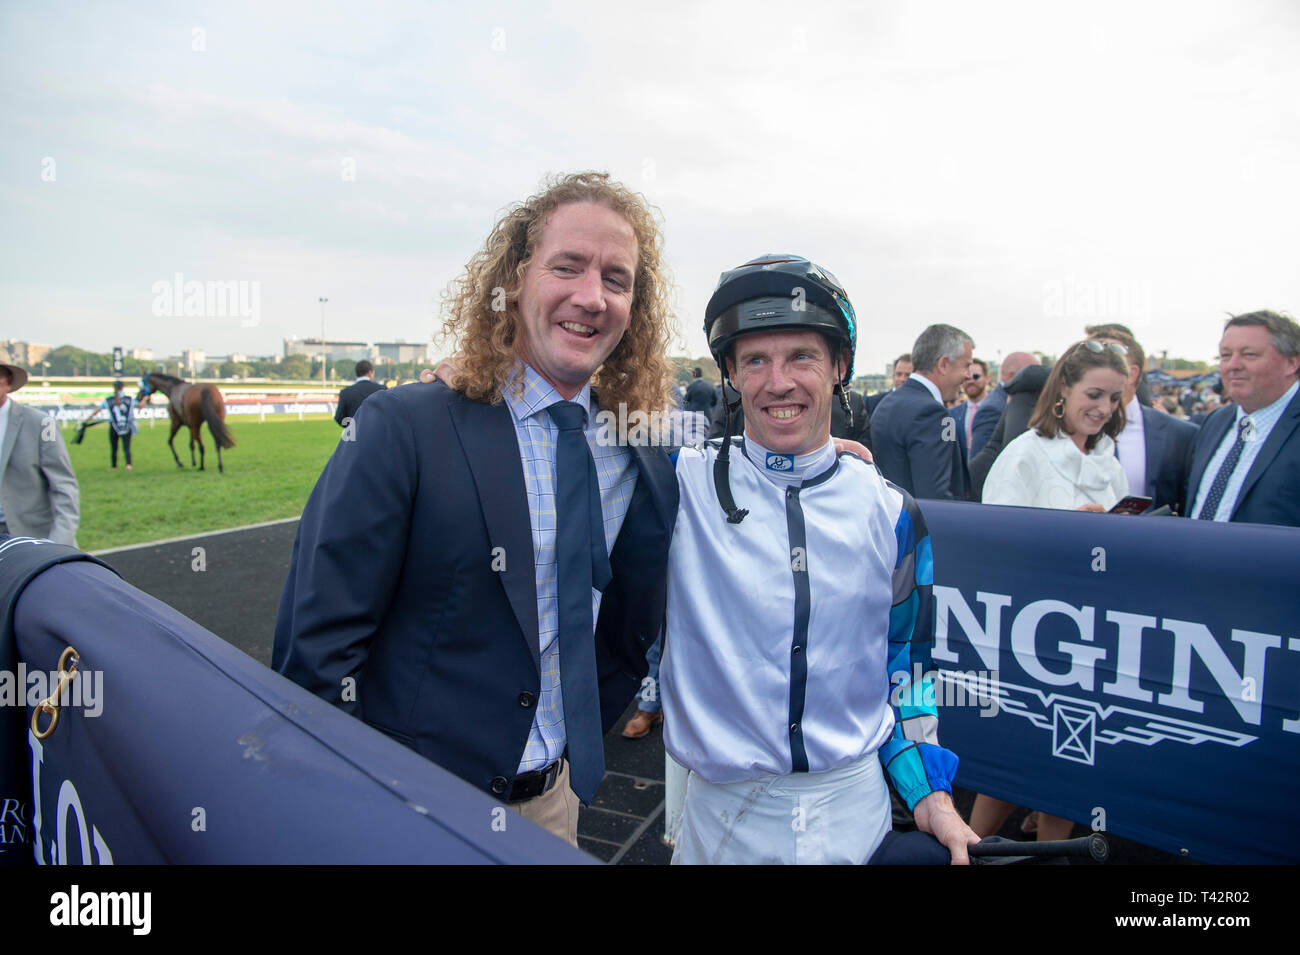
[(445, 372), (844, 444), (937, 815)]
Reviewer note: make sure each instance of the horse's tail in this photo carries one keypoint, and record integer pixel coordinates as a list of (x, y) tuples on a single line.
[(212, 414)]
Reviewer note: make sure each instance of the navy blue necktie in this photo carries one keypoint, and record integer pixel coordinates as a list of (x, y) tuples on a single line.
[(582, 564), (1225, 471)]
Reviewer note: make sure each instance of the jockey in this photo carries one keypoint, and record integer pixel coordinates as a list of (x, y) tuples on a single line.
[(798, 624)]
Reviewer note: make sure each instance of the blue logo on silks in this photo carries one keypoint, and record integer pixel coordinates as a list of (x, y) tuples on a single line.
[(779, 462)]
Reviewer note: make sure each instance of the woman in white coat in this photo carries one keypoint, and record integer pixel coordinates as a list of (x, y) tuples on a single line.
[(1066, 460)]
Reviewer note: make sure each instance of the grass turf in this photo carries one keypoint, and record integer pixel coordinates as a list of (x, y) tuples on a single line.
[(268, 475)]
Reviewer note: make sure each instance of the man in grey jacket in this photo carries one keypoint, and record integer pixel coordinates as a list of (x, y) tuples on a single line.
[(38, 490)]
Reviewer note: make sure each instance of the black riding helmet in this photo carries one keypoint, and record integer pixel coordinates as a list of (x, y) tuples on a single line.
[(768, 294), (775, 293)]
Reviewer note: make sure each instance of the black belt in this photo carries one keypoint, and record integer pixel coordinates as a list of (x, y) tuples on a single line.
[(533, 784)]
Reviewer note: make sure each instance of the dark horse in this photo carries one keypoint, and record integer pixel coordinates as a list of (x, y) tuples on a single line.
[(190, 405)]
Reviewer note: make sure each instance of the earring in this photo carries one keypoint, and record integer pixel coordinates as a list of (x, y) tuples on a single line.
[(1058, 409)]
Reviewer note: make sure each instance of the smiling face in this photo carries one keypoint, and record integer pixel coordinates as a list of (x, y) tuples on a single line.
[(1090, 402), (576, 296), (786, 383), (949, 374), (1254, 373)]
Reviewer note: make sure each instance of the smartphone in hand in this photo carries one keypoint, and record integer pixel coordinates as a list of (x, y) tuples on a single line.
[(1133, 504)]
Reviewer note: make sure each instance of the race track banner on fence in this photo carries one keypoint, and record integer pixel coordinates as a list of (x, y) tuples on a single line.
[(173, 746), (1140, 675)]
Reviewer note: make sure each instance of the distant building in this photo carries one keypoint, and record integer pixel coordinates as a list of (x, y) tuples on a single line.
[(193, 359), (400, 352), (334, 350), (26, 354), (870, 384), (141, 354)]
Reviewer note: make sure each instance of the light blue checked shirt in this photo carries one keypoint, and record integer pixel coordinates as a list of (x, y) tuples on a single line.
[(1263, 419), (616, 472)]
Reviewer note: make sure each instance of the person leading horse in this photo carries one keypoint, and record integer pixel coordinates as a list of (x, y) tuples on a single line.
[(190, 405)]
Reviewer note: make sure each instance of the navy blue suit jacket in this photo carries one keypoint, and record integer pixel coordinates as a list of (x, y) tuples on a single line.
[(908, 433), (701, 396), (350, 398), (986, 420), (873, 401), (1169, 458), (1271, 492), (959, 416), (415, 578)]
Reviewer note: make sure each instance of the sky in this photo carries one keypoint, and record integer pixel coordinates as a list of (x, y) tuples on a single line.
[(1018, 170)]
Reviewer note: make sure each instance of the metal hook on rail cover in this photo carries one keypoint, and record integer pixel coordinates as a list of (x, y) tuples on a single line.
[(50, 704)]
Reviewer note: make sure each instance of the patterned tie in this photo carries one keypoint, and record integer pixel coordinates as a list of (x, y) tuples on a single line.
[(1225, 471), (582, 563)]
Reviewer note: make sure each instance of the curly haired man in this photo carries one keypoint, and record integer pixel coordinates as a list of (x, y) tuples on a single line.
[(488, 595)]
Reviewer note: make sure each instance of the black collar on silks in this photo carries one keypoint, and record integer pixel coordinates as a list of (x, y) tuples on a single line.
[(22, 559)]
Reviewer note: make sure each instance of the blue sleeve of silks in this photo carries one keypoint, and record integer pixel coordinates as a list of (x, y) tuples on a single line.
[(912, 756)]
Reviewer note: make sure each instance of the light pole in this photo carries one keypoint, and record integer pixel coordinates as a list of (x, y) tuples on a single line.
[(322, 340)]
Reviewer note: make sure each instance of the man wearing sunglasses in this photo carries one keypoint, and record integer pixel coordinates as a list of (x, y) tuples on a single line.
[(976, 389)]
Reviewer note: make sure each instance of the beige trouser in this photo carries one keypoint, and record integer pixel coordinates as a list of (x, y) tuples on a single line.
[(555, 810)]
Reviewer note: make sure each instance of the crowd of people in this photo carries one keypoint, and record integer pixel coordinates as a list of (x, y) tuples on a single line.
[(942, 429)]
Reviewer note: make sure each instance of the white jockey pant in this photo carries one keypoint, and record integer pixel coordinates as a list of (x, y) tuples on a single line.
[(837, 816)]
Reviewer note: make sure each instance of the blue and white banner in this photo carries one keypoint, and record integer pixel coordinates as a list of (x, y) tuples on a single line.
[(1139, 675)]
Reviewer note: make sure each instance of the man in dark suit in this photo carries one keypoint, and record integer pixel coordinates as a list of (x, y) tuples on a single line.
[(700, 395), (902, 369), (976, 388), (1246, 458), (990, 409), (449, 599), (913, 436), (859, 428), (1154, 448), (350, 398)]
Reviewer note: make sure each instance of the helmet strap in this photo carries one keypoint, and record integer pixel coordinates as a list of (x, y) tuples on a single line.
[(722, 464), (844, 403)]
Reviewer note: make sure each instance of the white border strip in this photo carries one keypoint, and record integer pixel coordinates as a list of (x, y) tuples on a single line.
[(190, 537)]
